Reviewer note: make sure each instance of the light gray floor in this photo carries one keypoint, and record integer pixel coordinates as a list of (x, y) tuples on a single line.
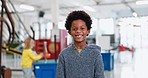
[(126, 67)]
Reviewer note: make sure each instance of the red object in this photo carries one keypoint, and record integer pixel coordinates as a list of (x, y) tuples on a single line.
[(132, 50), (50, 48), (47, 55), (60, 44), (122, 48)]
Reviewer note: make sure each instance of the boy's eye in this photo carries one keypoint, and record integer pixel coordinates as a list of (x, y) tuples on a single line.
[(73, 29), (82, 28)]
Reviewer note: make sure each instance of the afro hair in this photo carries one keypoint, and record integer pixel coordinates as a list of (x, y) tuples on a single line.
[(76, 15)]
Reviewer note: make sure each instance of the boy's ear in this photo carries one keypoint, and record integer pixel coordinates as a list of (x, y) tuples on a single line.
[(88, 32)]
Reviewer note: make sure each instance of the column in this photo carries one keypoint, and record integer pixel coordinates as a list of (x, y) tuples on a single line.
[(54, 18)]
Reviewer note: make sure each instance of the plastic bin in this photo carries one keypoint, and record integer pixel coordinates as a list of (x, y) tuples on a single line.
[(45, 70), (108, 60)]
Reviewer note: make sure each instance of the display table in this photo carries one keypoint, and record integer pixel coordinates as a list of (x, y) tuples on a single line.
[(108, 60), (45, 69)]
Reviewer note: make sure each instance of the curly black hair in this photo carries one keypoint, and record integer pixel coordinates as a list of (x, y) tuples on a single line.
[(75, 15)]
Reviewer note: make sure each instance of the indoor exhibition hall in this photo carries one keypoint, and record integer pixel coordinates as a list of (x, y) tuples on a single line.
[(34, 34)]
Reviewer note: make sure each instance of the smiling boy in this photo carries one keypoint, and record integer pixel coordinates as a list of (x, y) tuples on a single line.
[(80, 60)]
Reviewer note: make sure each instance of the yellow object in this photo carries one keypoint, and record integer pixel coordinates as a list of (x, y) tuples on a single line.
[(79, 50), (12, 51), (28, 58)]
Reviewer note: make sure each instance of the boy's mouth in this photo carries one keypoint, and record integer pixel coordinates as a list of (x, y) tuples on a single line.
[(78, 36)]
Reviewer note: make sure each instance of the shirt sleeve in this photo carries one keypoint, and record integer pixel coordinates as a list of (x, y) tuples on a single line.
[(60, 68), (99, 67), (34, 57)]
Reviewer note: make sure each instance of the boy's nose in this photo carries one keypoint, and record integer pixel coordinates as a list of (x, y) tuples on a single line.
[(78, 30)]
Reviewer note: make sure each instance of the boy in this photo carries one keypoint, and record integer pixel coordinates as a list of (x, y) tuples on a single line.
[(80, 60)]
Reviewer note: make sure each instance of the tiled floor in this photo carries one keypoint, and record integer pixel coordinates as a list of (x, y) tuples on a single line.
[(127, 68)]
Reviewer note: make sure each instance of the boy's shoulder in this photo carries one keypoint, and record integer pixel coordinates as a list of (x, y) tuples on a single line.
[(93, 46)]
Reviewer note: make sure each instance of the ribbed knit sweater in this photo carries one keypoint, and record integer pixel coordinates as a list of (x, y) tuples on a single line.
[(86, 64)]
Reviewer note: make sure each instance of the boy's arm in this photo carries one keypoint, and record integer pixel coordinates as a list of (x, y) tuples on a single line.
[(60, 68), (99, 67)]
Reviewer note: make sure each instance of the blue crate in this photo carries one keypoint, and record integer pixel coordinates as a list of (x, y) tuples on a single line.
[(108, 60), (45, 70)]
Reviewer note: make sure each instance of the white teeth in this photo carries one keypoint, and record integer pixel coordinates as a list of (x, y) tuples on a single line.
[(78, 36)]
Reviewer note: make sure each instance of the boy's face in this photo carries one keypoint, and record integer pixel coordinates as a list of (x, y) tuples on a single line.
[(79, 31)]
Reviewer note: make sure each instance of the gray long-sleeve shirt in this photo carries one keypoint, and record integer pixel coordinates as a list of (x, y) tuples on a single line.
[(87, 64)]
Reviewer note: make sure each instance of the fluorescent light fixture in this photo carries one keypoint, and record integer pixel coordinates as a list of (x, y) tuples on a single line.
[(142, 2), (27, 7), (89, 8)]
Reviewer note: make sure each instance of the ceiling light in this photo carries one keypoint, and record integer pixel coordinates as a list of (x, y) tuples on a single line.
[(89, 8), (27, 7), (135, 14), (142, 2)]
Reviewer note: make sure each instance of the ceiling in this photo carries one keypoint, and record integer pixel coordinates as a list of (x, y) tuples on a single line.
[(103, 8)]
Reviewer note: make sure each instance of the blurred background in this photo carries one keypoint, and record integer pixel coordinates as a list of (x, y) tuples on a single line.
[(120, 27)]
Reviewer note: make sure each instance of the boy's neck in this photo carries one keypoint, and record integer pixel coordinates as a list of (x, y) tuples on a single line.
[(81, 45)]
